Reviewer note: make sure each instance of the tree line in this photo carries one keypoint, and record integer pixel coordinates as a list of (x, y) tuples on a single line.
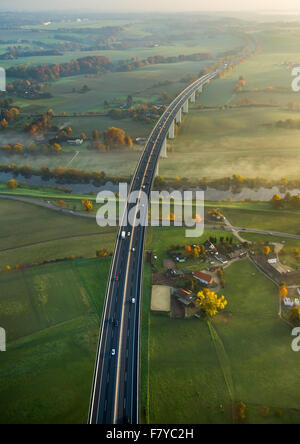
[(94, 65), (61, 175), (288, 201)]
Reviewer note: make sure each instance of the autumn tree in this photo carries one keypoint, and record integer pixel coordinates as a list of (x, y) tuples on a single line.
[(294, 315), (100, 147), (102, 253), (87, 205), (95, 135), (197, 218), (295, 201), (264, 411), (12, 184), (172, 217), (267, 250), (6, 149), (277, 201), (238, 178), (239, 411), (188, 249), (195, 253), (114, 137), (4, 124), (129, 142), (18, 148), (210, 302), (283, 291), (215, 213), (220, 273), (56, 148)]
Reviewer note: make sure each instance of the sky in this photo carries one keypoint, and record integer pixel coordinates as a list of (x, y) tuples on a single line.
[(153, 5)]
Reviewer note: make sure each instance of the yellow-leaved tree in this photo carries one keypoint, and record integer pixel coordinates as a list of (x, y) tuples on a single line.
[(12, 184), (283, 291), (294, 315), (87, 205), (210, 302)]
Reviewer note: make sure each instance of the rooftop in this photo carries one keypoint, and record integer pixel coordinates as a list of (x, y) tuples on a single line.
[(203, 277)]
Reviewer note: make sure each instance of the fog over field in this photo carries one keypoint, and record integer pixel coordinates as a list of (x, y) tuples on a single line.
[(157, 5)]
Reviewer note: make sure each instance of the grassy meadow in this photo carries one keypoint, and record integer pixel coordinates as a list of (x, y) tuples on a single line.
[(51, 314), (261, 216), (47, 235)]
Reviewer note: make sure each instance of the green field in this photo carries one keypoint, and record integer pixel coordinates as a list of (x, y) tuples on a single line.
[(184, 375), (290, 243), (145, 329), (47, 235), (261, 216), (51, 315)]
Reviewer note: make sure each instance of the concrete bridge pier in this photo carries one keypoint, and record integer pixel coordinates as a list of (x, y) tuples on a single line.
[(172, 130), (200, 89), (163, 151), (157, 170), (193, 97), (179, 116), (186, 107)]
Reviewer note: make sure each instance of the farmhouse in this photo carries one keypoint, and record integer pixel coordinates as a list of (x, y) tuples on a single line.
[(76, 142), (183, 304), (140, 140), (203, 278), (186, 297)]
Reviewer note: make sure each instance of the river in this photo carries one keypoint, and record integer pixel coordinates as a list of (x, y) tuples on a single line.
[(211, 194)]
